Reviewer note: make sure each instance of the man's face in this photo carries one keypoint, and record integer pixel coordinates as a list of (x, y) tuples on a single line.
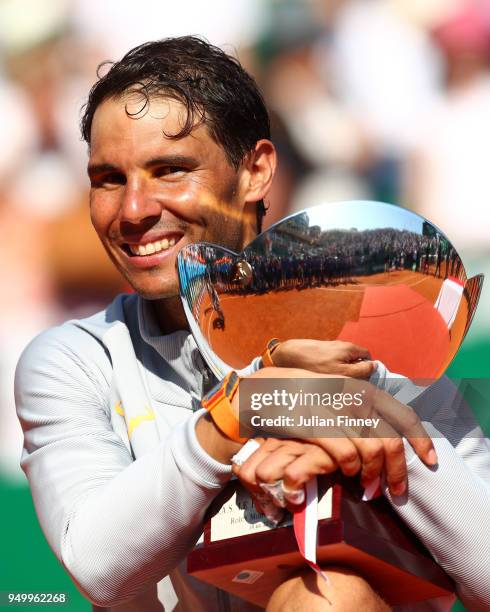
[(151, 195)]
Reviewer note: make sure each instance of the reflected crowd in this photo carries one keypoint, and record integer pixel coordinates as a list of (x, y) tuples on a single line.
[(336, 257)]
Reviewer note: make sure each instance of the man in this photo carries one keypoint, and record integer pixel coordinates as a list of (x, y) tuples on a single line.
[(122, 461)]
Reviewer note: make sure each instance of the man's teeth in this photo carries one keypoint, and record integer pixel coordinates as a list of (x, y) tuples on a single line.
[(152, 247)]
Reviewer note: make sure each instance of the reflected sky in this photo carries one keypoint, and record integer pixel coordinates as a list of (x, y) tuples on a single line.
[(363, 215)]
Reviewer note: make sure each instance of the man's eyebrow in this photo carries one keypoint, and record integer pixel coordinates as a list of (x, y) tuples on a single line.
[(171, 160), (164, 160), (94, 169)]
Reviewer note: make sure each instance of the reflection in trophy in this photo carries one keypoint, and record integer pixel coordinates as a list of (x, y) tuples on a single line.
[(370, 273), (242, 273)]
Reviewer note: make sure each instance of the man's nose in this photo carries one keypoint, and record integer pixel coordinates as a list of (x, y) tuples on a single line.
[(137, 204)]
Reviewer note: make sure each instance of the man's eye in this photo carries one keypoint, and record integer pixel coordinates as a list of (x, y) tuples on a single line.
[(112, 178), (169, 171)]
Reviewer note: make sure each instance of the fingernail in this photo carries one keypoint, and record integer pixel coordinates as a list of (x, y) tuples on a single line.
[(432, 457), (398, 489)]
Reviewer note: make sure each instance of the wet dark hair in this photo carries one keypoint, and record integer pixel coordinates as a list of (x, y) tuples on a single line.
[(212, 86)]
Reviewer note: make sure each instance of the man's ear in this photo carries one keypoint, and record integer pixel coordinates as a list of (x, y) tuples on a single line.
[(259, 168), (256, 176)]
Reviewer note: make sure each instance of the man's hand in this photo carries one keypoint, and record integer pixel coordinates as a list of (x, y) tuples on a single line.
[(369, 456), (297, 461), (325, 357)]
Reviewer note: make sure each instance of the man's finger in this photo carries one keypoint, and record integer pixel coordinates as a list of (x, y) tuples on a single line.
[(271, 468), (424, 447), (312, 463), (395, 465), (372, 457), (359, 369), (358, 352), (407, 423), (343, 452)]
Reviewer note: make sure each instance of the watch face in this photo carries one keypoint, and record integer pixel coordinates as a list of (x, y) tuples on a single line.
[(369, 273)]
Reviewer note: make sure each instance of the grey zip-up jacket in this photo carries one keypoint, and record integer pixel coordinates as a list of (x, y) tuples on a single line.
[(121, 522)]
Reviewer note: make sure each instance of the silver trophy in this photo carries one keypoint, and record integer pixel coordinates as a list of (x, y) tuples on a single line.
[(370, 273)]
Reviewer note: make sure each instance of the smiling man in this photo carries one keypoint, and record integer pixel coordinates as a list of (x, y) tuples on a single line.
[(174, 159), (122, 460)]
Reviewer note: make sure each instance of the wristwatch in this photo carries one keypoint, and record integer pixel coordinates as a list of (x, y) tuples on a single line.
[(218, 403), (267, 354)]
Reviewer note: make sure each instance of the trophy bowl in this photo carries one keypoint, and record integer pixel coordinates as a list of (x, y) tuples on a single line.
[(367, 272)]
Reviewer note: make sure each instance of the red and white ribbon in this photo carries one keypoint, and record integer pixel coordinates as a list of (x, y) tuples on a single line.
[(305, 522)]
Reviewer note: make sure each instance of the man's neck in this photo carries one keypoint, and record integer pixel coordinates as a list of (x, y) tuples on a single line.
[(170, 315)]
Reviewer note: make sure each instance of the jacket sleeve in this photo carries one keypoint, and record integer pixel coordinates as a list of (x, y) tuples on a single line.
[(448, 506), (117, 525)]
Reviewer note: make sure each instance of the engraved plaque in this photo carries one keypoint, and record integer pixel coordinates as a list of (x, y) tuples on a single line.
[(238, 517)]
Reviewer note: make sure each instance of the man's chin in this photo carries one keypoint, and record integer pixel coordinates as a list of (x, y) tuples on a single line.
[(155, 293), (159, 297)]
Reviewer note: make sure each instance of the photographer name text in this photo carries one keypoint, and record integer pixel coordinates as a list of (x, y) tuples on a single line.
[(340, 420)]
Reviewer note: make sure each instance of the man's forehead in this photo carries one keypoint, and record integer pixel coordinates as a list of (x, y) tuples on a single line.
[(132, 121), (132, 109)]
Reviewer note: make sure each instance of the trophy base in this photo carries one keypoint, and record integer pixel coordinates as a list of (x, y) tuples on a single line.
[(367, 537)]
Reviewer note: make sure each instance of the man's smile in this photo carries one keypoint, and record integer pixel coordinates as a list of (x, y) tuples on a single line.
[(151, 247), (150, 251)]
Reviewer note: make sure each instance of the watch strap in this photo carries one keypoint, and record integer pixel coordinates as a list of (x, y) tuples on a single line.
[(218, 403)]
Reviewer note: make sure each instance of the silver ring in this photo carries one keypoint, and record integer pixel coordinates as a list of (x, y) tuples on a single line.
[(281, 495)]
